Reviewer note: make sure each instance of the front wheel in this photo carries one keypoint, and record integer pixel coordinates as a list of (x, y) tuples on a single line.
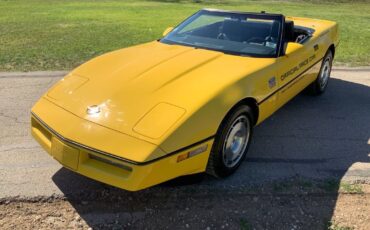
[(231, 142), (320, 84)]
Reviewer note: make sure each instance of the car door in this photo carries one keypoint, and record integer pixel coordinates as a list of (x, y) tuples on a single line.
[(294, 71)]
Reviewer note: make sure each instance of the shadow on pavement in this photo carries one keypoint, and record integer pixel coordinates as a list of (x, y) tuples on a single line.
[(314, 138)]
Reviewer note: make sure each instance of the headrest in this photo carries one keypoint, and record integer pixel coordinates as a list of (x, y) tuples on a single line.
[(231, 27), (275, 28)]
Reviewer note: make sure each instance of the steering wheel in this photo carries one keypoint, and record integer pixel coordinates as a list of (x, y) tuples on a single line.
[(256, 40), (222, 36)]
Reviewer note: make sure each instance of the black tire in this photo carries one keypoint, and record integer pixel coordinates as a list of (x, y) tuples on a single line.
[(240, 116), (318, 87)]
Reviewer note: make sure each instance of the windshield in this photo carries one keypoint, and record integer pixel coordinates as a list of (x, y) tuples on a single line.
[(234, 33)]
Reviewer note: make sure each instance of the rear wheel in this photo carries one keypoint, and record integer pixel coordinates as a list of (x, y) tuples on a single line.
[(320, 84), (231, 142)]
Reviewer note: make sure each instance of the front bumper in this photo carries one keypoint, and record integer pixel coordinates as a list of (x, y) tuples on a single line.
[(65, 146)]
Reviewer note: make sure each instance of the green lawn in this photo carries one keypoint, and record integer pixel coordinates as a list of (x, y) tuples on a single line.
[(61, 34)]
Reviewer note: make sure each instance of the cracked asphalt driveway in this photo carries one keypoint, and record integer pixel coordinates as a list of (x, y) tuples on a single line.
[(311, 137)]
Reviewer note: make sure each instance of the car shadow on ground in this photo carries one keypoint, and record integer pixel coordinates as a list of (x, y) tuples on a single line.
[(311, 139)]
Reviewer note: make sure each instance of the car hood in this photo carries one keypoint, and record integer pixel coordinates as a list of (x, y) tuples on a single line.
[(127, 84)]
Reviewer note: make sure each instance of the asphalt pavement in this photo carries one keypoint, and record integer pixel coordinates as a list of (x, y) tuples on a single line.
[(314, 138)]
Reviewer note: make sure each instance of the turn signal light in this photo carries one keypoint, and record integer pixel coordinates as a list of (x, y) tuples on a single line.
[(192, 153)]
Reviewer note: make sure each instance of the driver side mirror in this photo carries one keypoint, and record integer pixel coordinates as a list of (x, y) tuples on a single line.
[(292, 47), (167, 31)]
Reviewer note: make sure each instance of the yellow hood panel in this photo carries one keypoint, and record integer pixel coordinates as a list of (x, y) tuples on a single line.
[(127, 83)]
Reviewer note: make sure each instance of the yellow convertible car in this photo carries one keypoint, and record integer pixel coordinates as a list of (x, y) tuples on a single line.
[(186, 103)]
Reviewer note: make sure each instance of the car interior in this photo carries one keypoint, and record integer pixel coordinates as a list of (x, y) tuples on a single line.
[(256, 32), (239, 31), (298, 34)]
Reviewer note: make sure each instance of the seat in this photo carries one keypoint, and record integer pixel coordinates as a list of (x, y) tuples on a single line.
[(274, 32), (233, 30)]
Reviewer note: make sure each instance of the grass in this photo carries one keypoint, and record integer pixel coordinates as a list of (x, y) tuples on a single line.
[(342, 187), (331, 185), (245, 225), (351, 188), (283, 186), (61, 34), (334, 226)]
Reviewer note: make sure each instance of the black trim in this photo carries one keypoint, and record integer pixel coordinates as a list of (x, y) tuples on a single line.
[(241, 12), (266, 98), (184, 148), (281, 47), (282, 43), (112, 155)]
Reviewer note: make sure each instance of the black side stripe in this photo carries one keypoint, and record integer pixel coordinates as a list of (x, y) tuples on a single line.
[(182, 149), (282, 87), (76, 144)]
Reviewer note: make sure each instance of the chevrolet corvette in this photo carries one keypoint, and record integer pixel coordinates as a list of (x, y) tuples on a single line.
[(186, 103)]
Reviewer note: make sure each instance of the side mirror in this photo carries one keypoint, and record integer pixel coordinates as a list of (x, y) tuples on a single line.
[(292, 47), (167, 31)]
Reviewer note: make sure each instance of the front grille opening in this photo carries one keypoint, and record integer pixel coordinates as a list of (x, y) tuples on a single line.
[(42, 132), (110, 162), (37, 125)]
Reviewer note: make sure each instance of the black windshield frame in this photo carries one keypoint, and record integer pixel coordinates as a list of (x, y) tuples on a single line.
[(262, 16)]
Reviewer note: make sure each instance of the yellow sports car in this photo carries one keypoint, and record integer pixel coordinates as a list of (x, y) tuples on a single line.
[(186, 103)]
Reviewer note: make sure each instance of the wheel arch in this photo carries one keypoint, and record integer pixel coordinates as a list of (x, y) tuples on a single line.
[(251, 102), (214, 165)]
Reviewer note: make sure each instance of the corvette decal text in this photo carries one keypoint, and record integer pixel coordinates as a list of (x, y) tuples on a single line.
[(298, 67)]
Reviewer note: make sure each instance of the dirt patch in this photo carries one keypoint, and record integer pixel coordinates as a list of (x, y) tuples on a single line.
[(298, 205)]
